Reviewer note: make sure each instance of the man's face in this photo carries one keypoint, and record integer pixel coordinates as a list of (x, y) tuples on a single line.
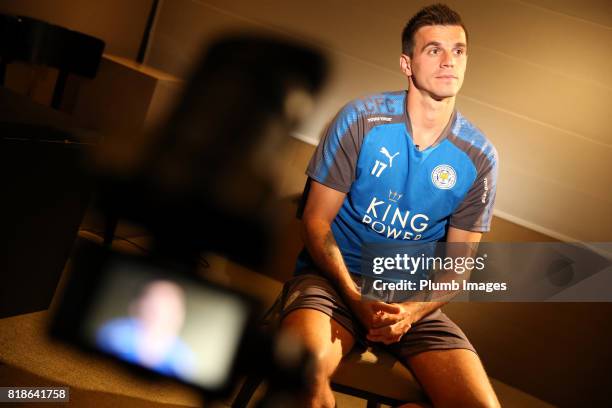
[(438, 60)]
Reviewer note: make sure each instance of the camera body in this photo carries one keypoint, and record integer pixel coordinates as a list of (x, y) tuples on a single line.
[(202, 183)]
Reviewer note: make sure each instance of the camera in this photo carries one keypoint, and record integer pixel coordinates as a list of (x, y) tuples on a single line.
[(202, 183)]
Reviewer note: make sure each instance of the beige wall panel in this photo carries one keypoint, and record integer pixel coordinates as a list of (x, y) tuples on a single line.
[(548, 178), (371, 31), (555, 41), (576, 105), (360, 28), (559, 208), (548, 152), (119, 23), (596, 11), (183, 28), (525, 87)]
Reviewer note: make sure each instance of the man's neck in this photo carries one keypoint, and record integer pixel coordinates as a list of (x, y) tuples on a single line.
[(428, 116)]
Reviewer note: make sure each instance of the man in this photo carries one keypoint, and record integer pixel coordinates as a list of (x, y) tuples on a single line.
[(150, 336), (396, 166)]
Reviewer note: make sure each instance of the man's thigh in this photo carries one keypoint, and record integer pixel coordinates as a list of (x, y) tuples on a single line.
[(453, 378), (313, 309), (445, 363)]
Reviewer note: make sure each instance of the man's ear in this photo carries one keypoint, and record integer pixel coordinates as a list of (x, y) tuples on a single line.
[(405, 65)]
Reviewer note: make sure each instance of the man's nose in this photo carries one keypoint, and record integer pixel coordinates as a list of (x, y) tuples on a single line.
[(448, 60)]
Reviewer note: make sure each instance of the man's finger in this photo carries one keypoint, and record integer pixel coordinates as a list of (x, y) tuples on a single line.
[(381, 319), (391, 308), (376, 338), (381, 331), (399, 327), (383, 339)]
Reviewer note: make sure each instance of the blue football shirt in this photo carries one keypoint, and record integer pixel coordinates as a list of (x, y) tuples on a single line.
[(394, 190)]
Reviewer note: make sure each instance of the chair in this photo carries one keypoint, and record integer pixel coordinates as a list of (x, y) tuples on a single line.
[(46, 190), (373, 374), (37, 42)]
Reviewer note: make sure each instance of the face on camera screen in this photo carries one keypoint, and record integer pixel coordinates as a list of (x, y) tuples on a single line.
[(168, 324)]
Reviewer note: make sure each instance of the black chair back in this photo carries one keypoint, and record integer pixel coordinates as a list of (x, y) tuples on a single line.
[(36, 42)]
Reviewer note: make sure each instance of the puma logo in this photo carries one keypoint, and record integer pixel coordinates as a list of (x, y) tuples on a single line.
[(384, 151)]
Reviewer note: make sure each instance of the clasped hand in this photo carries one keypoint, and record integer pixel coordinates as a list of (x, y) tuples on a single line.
[(386, 322)]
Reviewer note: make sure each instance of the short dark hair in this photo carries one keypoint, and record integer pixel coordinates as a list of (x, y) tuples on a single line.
[(436, 14)]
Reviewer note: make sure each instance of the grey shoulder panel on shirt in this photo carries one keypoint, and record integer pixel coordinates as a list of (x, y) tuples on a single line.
[(476, 210), (473, 142), (335, 159)]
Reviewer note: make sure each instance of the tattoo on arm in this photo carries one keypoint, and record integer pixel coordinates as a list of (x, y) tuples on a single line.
[(332, 251), (335, 260), (330, 245)]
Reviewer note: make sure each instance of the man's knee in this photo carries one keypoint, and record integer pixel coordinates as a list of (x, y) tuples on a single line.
[(325, 338), (486, 399), (318, 333), (480, 402), (454, 378), (318, 330), (483, 400)]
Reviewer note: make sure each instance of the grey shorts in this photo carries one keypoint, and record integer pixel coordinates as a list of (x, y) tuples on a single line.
[(433, 332)]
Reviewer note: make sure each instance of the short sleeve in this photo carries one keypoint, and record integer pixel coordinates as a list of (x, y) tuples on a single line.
[(334, 161), (475, 212)]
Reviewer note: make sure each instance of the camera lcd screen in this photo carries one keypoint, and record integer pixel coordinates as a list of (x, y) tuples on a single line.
[(166, 323)]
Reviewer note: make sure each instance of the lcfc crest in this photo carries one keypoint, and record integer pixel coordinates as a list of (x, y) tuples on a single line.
[(444, 177)]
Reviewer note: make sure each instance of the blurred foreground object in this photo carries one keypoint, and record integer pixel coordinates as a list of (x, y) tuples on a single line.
[(209, 174), (202, 183)]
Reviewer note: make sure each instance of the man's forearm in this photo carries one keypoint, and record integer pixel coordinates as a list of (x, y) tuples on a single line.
[(324, 250), (462, 244)]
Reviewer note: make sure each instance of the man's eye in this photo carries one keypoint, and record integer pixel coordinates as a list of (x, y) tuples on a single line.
[(459, 51), (434, 51)]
